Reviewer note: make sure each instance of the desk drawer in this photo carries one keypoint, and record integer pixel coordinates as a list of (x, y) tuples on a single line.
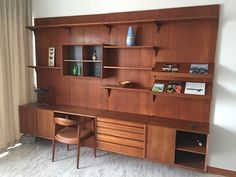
[(131, 151), (121, 141), (119, 133), (139, 130)]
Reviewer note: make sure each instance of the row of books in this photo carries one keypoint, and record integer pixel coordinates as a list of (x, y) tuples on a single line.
[(195, 88), (194, 68)]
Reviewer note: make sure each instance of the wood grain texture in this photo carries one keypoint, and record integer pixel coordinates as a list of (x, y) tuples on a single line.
[(182, 35), (161, 144), (28, 120), (45, 123), (126, 150)]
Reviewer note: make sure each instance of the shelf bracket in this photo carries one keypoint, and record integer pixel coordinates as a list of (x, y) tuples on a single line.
[(158, 26), (109, 27), (108, 92), (154, 98), (156, 50), (68, 29)]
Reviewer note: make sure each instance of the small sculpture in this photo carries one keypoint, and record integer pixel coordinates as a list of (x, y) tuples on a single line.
[(41, 95), (94, 57)]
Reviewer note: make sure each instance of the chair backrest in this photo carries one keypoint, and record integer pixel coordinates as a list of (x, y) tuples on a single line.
[(64, 122)]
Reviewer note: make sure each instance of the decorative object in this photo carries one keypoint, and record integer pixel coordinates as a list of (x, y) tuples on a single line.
[(130, 37), (195, 88), (94, 55), (76, 69), (125, 84), (51, 56), (198, 69), (157, 87), (41, 95)]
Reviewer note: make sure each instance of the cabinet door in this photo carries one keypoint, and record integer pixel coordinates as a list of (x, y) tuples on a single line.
[(161, 144), (45, 123), (28, 121)]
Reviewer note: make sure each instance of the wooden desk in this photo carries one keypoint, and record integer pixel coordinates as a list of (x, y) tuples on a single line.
[(170, 141)]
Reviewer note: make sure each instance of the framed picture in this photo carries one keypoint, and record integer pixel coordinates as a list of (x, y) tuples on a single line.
[(51, 56)]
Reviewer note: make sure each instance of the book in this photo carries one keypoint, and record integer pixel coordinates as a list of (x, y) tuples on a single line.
[(174, 87), (157, 87), (198, 69), (170, 68), (195, 88)]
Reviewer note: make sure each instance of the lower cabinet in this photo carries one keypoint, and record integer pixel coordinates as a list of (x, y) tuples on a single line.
[(36, 122), (161, 144), (45, 123), (28, 120)]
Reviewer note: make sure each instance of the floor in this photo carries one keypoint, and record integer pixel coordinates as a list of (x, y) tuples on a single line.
[(30, 160)]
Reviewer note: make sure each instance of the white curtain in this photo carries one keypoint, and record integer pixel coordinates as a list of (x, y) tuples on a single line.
[(16, 85)]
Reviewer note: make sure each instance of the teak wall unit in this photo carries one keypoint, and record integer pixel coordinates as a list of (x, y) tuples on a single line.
[(130, 119)]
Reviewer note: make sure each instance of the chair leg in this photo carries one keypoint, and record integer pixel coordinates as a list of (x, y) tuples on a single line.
[(68, 147), (94, 139), (78, 154), (53, 150)]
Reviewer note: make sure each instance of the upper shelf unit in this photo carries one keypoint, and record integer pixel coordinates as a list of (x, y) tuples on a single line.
[(111, 23)]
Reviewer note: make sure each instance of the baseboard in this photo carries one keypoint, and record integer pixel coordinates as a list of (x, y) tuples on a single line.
[(220, 171)]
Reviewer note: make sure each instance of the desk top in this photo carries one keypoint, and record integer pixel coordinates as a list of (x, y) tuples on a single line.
[(72, 110), (129, 117)]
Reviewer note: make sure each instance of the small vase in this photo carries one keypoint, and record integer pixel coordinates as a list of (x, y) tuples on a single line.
[(130, 36)]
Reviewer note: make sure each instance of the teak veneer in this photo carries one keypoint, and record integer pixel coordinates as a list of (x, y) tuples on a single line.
[(129, 120)]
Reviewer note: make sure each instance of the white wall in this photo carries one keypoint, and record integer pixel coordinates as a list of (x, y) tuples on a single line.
[(222, 152)]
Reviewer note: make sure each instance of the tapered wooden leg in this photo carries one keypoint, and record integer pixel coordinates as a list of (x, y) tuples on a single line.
[(53, 150), (68, 147), (78, 154), (94, 139)]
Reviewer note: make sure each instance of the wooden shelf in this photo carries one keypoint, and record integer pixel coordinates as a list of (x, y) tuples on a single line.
[(193, 165), (181, 95), (126, 67), (72, 60), (111, 23), (85, 61), (45, 67), (129, 47), (92, 61), (182, 76), (117, 87), (191, 148)]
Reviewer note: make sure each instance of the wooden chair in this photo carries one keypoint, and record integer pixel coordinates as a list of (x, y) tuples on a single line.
[(69, 132)]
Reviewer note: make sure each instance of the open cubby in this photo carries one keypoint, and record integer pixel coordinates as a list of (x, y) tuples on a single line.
[(191, 149), (78, 60), (190, 160), (187, 141)]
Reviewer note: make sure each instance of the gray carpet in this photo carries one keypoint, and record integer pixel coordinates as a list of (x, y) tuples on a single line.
[(35, 160)]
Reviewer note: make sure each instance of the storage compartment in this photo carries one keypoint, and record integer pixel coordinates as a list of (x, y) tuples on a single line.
[(190, 160), (191, 150)]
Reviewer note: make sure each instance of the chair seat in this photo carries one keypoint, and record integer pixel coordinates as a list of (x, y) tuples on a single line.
[(69, 135)]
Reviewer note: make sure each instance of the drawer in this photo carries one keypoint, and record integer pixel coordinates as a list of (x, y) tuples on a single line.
[(121, 149), (118, 133), (120, 122), (139, 130), (121, 141)]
